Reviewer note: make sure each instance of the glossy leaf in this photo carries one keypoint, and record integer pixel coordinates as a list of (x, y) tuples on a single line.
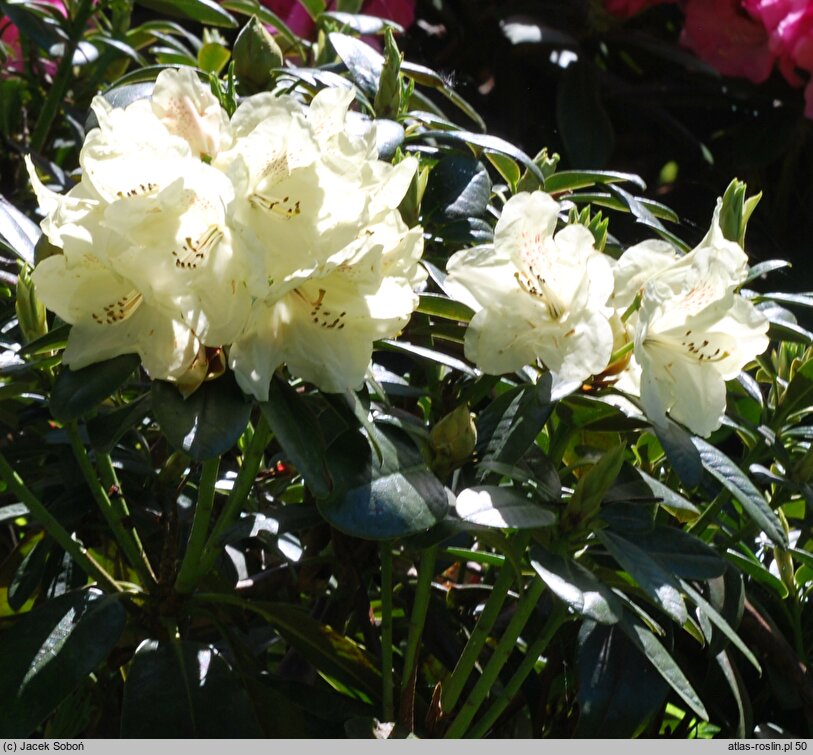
[(492, 506), (458, 187), (725, 628), (669, 498), (48, 652), (184, 689), (440, 306), (484, 141), (206, 424), (577, 587), (329, 651), (77, 392), (663, 662), (203, 11), (758, 572), (362, 61), (682, 454), (680, 553), (510, 424), (298, 432), (798, 396), (743, 490), (651, 577), (18, 232), (571, 180), (618, 691), (382, 498), (105, 430)]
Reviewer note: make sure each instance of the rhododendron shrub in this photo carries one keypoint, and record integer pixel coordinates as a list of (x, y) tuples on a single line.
[(326, 413)]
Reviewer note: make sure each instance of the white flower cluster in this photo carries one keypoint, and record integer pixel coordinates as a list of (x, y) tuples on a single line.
[(271, 238), (552, 297)]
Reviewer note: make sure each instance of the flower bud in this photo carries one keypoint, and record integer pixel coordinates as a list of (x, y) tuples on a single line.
[(453, 439), (255, 53)]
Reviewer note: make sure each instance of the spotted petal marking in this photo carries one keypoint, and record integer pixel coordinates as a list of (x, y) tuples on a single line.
[(119, 310)]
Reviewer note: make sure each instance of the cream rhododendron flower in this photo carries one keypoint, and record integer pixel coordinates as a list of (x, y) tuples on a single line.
[(304, 188), (271, 237), (538, 295), (693, 331), (324, 328), (148, 264)]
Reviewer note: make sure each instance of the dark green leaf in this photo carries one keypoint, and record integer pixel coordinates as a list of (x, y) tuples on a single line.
[(29, 574), (618, 691), (314, 7), (12, 511), (423, 353), (492, 506), (380, 499), (758, 572), (763, 268), (718, 621), (799, 394), (510, 424), (680, 553), (577, 587), (77, 392), (183, 689), (583, 122), (669, 498), (743, 490), (682, 454), (50, 651), (298, 432), (652, 578), (206, 424), (441, 306), (593, 486), (363, 25), (663, 662), (570, 180), (255, 8), (326, 649), (458, 187), (105, 430), (203, 11), (362, 61), (485, 141), (18, 232)]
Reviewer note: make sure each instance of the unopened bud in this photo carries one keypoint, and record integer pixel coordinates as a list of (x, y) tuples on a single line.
[(256, 53)]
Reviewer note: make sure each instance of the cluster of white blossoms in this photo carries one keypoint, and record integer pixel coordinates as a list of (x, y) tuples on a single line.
[(553, 297), (269, 238)]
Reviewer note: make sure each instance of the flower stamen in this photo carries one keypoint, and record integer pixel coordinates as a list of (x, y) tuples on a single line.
[(194, 252), (118, 310)]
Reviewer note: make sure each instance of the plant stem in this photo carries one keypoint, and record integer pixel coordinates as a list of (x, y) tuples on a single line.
[(71, 546), (386, 632), (110, 480), (453, 687), (426, 570), (505, 647), (535, 649), (200, 526), (112, 514), (237, 497), (56, 94)]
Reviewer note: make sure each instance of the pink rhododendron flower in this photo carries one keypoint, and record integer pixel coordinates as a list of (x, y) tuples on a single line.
[(627, 8), (789, 24), (300, 22), (10, 36), (723, 35)]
